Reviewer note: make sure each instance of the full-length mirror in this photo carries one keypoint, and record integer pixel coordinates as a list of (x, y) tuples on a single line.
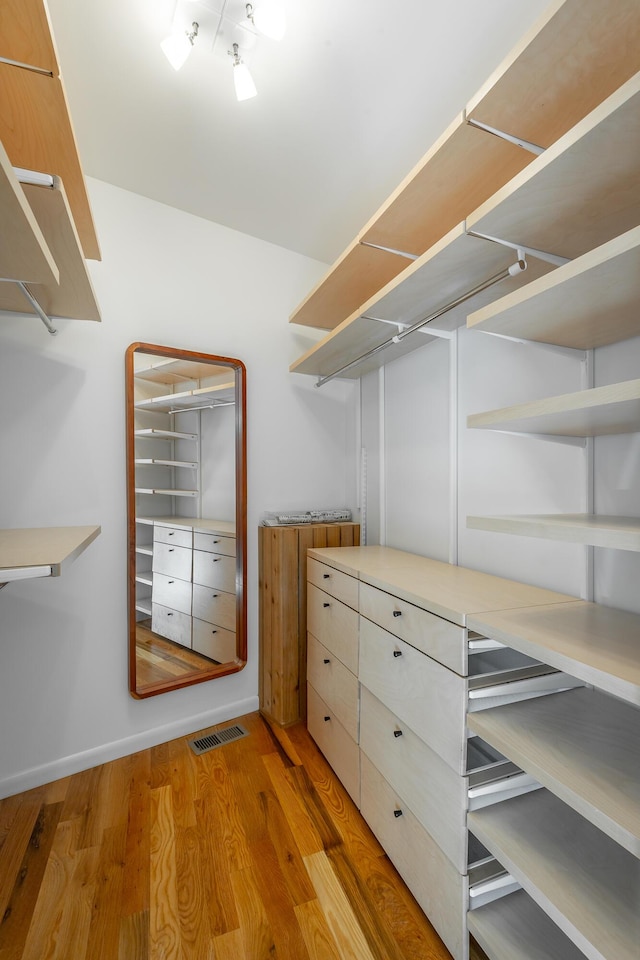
[(186, 498)]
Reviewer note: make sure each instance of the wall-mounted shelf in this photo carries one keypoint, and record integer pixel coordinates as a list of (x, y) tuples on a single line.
[(41, 552), (582, 745), (152, 434), (167, 492), (200, 397), (616, 533), (588, 884), (187, 464), (589, 302), (538, 94), (515, 928), (602, 410), (178, 371)]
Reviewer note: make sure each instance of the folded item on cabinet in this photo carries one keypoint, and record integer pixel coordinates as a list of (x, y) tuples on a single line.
[(285, 517)]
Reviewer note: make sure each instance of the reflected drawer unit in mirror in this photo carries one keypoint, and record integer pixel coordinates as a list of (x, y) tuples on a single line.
[(393, 673)]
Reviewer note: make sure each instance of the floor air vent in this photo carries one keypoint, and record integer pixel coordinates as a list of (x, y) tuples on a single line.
[(217, 738)]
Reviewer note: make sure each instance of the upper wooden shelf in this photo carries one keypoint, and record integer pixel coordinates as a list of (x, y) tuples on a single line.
[(594, 643), (611, 409), (587, 884), (199, 398), (616, 533), (42, 552), (25, 35), (515, 928), (591, 301), (582, 745), (455, 265), (537, 93), (177, 371)]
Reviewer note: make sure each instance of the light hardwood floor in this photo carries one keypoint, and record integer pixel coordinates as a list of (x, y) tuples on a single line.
[(252, 851)]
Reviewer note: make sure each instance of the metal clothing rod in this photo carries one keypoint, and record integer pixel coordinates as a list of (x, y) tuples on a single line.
[(38, 309), (26, 66), (519, 142), (399, 253), (511, 271)]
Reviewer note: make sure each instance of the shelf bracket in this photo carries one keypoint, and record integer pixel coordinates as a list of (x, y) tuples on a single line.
[(401, 327), (576, 352), (36, 306), (518, 141), (398, 253), (553, 258), (549, 437)]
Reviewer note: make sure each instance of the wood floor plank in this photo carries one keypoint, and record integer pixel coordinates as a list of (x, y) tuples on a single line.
[(19, 819), (346, 931), (220, 852), (256, 933), (285, 849), (136, 880), (314, 808), (229, 946), (316, 931), (78, 908), (278, 903), (134, 936), (46, 919), (104, 929), (164, 918), (195, 932), (306, 836)]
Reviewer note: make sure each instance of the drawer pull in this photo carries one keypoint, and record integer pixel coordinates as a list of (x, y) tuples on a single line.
[(171, 533), (326, 661), (171, 581), (169, 614), (397, 733), (397, 813), (214, 631), (326, 719), (170, 550), (397, 653), (326, 604), (397, 613), (214, 596), (325, 576), (215, 559), (216, 541)]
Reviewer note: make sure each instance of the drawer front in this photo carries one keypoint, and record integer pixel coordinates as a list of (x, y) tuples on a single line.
[(438, 638), (337, 686), (434, 793), (171, 592), (172, 561), (176, 536), (214, 606), (214, 570), (419, 691), (339, 748), (171, 624), (435, 883), (214, 543), (339, 585), (213, 641), (335, 625)]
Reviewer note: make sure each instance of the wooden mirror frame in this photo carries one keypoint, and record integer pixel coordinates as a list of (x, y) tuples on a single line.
[(217, 670)]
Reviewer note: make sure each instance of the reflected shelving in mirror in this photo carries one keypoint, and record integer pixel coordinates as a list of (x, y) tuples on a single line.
[(187, 506)]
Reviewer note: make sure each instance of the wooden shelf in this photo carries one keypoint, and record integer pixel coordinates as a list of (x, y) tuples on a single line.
[(587, 303), (177, 371), (44, 548), (616, 533), (587, 884), (152, 434), (450, 269), (515, 928), (582, 745), (588, 413), (143, 607), (167, 493), (223, 393), (592, 642), (188, 464), (582, 192), (537, 93)]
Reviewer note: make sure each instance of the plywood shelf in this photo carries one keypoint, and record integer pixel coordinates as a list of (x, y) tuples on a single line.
[(47, 549), (163, 492), (538, 94), (616, 533), (587, 884), (603, 410), (201, 397), (594, 643), (178, 371), (151, 433), (188, 464), (515, 928), (591, 301), (584, 746)]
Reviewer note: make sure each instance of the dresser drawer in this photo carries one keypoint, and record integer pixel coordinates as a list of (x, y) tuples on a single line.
[(443, 641), (339, 585), (214, 543), (171, 560), (177, 536), (433, 700), (337, 686), (339, 748), (213, 641), (214, 606), (214, 570), (334, 624), (171, 624), (172, 592)]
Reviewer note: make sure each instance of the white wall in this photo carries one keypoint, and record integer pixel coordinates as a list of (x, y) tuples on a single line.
[(168, 278)]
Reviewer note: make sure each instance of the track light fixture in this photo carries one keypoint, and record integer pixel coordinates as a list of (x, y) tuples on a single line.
[(177, 46), (268, 18), (242, 79)]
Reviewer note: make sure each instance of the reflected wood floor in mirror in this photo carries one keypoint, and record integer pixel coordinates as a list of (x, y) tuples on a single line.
[(158, 659), (253, 851)]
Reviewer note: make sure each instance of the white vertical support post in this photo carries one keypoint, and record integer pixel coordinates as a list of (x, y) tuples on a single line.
[(588, 382), (453, 448), (383, 458)]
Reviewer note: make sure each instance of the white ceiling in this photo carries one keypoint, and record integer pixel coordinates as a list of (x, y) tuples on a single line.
[(347, 103)]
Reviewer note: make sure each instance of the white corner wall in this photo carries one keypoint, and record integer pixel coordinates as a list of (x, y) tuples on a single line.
[(169, 278)]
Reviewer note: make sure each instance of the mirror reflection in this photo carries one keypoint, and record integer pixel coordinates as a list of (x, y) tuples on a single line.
[(186, 475)]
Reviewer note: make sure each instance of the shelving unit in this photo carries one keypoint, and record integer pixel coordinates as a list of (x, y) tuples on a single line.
[(41, 552), (537, 93), (616, 533), (515, 928)]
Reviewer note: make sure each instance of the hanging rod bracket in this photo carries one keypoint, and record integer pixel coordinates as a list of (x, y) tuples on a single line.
[(553, 258), (398, 253), (36, 306), (577, 352), (509, 137)]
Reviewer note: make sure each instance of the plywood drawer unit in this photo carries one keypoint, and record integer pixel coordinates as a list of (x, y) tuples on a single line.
[(214, 570), (337, 686), (213, 641), (334, 624), (171, 560), (171, 624), (172, 592), (339, 585), (214, 543), (214, 606), (340, 749)]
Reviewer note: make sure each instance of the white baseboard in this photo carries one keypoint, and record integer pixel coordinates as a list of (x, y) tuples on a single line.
[(66, 766)]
